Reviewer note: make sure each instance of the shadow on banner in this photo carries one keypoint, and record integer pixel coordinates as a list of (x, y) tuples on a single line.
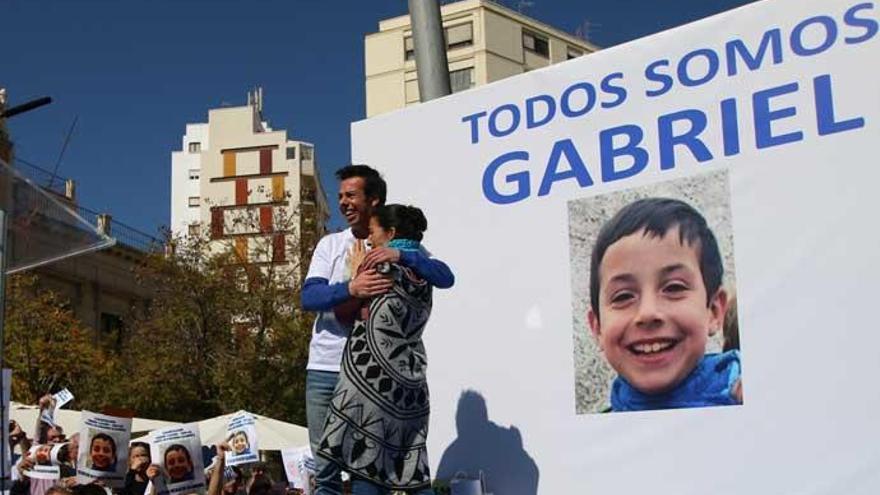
[(484, 446)]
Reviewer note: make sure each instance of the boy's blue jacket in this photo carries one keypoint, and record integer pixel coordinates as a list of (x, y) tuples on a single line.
[(711, 383)]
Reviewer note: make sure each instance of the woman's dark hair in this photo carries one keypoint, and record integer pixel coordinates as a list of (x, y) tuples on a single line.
[(408, 221), (106, 438)]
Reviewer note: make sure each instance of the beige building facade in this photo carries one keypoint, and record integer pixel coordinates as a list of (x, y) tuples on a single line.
[(249, 185), (485, 42)]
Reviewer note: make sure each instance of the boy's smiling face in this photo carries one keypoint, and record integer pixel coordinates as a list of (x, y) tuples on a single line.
[(653, 321)]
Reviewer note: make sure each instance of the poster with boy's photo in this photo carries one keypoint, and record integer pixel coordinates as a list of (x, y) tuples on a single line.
[(46, 465), (241, 435), (178, 452), (299, 466), (58, 400), (103, 449), (653, 297)]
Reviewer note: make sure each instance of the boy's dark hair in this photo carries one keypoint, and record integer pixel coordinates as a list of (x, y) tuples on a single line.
[(656, 216), (408, 221), (374, 184), (105, 437), (179, 448)]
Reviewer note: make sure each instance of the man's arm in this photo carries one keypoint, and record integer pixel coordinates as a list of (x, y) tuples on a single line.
[(319, 295), (436, 272)]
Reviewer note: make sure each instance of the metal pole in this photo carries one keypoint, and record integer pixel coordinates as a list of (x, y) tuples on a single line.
[(430, 49)]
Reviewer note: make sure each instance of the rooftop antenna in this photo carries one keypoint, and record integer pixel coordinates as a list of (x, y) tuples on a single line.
[(63, 150)]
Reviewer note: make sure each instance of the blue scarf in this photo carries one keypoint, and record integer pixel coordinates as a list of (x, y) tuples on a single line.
[(709, 384), (403, 244)]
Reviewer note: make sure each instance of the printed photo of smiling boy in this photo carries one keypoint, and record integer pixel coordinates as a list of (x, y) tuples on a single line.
[(655, 299), (656, 309)]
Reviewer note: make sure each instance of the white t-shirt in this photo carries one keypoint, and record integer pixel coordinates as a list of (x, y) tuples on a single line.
[(330, 261)]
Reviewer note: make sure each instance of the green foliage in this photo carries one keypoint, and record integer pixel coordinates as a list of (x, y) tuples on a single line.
[(220, 335), (48, 348)]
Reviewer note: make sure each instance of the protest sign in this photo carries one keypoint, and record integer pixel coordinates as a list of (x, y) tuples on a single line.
[(103, 450), (57, 401), (299, 466), (763, 120), (241, 435), (44, 468), (178, 451)]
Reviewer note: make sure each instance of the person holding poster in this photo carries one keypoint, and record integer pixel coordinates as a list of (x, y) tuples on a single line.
[(330, 283), (138, 462), (224, 479), (383, 391), (656, 296), (241, 435), (107, 440), (180, 471)]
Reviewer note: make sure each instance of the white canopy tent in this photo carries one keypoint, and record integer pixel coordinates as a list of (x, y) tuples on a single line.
[(69, 419)]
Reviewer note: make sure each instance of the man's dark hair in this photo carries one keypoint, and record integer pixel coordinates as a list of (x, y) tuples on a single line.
[(374, 184), (655, 216), (408, 221)]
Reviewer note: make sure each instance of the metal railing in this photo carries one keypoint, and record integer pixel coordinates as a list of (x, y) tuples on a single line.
[(124, 234)]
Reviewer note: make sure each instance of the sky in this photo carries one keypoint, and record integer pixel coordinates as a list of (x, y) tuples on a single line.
[(133, 73)]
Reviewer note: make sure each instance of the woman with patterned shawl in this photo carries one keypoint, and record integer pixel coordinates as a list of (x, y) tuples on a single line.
[(377, 423)]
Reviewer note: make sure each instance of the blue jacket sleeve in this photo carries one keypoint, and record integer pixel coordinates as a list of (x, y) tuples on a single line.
[(433, 270), (319, 295)]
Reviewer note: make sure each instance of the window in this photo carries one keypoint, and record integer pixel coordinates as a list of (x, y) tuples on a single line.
[(195, 147), (461, 80), (194, 229), (217, 219), (536, 43), (110, 323), (193, 174), (194, 201), (306, 152), (409, 50), (291, 153), (574, 53), (457, 36)]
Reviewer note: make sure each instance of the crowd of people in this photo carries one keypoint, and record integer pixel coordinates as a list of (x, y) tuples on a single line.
[(370, 282), (142, 476)]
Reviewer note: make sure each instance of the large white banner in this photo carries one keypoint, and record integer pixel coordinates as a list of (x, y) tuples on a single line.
[(683, 228)]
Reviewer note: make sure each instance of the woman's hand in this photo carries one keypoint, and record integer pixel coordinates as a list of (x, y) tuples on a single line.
[(381, 255)]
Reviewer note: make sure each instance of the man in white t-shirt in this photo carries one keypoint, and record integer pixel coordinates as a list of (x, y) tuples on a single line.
[(329, 284)]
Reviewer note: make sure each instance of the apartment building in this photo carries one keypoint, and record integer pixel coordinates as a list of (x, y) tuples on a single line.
[(248, 185), (485, 42)]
